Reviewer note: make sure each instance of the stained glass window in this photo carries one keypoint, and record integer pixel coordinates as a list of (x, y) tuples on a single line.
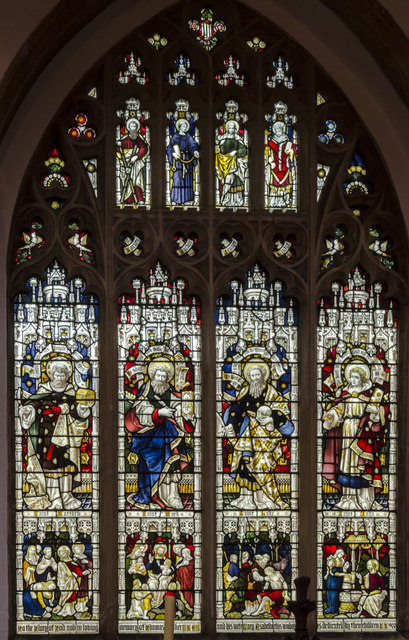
[(198, 192)]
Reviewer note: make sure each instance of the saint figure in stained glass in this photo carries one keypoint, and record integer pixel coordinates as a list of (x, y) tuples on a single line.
[(56, 418), (231, 159), (182, 157), (358, 417), (133, 167), (157, 424), (56, 351), (280, 160), (56, 395), (256, 422)]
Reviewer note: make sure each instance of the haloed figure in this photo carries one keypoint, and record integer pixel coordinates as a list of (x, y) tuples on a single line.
[(355, 433), (281, 168), (132, 152), (231, 165), (56, 418), (158, 422), (183, 154)]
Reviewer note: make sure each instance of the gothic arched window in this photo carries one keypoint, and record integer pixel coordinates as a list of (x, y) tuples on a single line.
[(206, 271)]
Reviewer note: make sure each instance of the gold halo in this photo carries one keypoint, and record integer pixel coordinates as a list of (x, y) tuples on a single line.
[(59, 360), (252, 363), (160, 545), (163, 362), (237, 127), (64, 550), (179, 122), (357, 365)]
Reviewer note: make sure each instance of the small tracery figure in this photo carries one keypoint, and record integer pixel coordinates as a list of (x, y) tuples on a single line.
[(132, 154), (183, 157), (281, 160)]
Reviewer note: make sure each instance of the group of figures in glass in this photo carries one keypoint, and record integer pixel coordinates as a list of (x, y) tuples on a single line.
[(159, 450), (183, 159), (156, 567), (257, 569), (57, 580)]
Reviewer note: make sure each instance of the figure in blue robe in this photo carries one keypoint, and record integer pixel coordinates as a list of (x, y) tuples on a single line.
[(183, 154), (158, 440), (334, 582)]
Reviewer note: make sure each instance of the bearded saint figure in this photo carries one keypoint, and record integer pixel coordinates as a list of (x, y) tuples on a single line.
[(158, 421), (231, 165), (132, 152), (254, 424)]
